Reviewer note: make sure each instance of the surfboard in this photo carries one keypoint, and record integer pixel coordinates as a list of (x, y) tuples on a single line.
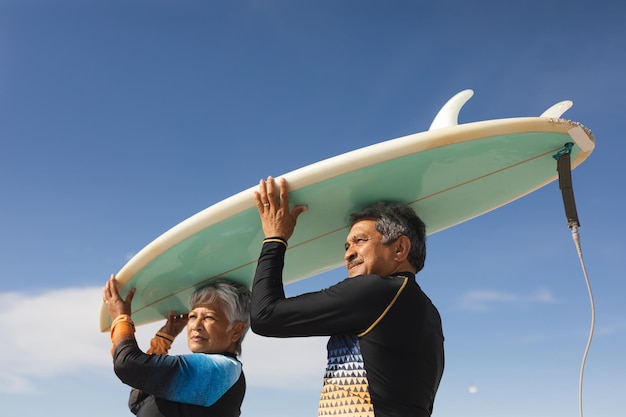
[(449, 174)]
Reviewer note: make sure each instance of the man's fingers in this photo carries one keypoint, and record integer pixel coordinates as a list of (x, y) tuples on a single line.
[(258, 201), (270, 191), (265, 197), (298, 210), (284, 194)]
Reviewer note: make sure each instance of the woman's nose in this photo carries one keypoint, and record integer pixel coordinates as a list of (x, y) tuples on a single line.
[(193, 323)]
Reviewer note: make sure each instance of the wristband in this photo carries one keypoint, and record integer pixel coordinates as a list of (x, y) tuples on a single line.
[(160, 344), (275, 239), (122, 328)]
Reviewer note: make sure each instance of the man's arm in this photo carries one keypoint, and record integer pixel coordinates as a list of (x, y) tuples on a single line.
[(350, 306)]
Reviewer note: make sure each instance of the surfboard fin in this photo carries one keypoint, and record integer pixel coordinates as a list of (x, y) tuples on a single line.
[(449, 114), (556, 111)]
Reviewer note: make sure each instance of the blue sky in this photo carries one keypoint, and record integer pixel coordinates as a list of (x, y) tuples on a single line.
[(119, 119)]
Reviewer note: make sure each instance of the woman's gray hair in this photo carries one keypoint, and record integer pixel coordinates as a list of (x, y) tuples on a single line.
[(394, 220), (234, 298)]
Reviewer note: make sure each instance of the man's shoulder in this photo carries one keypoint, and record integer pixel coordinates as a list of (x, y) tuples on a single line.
[(375, 283), (383, 279)]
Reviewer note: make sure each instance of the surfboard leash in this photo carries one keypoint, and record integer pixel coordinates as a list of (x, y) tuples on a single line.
[(567, 191), (565, 184)]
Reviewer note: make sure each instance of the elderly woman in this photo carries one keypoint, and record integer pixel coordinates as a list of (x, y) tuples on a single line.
[(208, 382)]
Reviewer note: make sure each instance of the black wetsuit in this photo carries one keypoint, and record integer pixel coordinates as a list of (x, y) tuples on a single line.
[(385, 354), (191, 385)]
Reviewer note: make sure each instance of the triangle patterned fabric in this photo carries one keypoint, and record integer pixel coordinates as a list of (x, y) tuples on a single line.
[(346, 389)]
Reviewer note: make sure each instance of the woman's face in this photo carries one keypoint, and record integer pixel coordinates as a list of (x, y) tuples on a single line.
[(208, 330)]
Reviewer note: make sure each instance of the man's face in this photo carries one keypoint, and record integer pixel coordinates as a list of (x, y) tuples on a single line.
[(365, 252)]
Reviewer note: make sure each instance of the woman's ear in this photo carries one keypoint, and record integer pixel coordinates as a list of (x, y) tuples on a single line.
[(237, 331)]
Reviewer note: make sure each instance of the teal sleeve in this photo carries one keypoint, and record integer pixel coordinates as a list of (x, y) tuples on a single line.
[(197, 378)]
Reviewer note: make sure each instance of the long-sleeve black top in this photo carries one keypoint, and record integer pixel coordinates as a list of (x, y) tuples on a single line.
[(385, 354)]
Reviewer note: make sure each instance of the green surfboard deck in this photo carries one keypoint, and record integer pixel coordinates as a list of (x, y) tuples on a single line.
[(448, 176)]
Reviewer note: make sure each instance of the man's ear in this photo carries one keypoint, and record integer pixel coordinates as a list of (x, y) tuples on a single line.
[(402, 247)]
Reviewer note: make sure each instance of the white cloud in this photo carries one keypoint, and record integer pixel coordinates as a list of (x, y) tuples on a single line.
[(296, 363), (56, 333), (48, 334), (485, 300)]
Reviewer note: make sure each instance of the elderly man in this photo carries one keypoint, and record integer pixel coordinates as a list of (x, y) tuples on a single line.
[(385, 352)]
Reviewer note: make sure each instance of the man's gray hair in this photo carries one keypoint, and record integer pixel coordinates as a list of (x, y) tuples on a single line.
[(394, 220)]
